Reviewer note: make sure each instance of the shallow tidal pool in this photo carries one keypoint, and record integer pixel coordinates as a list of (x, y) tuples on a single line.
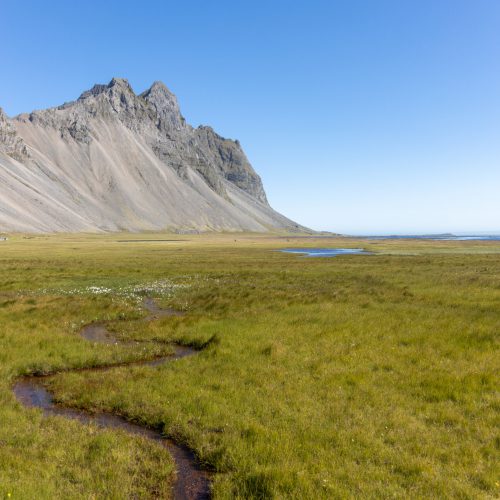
[(325, 252)]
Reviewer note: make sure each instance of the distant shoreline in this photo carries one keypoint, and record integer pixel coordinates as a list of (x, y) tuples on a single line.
[(443, 237)]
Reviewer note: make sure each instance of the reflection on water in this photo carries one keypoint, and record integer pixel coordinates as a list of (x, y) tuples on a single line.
[(325, 252)]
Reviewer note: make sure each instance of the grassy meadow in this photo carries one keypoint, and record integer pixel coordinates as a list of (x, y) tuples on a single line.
[(358, 376)]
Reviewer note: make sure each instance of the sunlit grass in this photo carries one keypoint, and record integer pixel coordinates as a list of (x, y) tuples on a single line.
[(355, 376)]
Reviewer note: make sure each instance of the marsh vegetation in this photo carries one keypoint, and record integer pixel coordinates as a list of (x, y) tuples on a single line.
[(358, 376)]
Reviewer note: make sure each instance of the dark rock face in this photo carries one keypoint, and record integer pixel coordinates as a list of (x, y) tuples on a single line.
[(111, 135), (166, 107), (10, 142), (230, 161), (155, 113)]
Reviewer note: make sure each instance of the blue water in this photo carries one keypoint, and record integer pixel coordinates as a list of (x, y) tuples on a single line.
[(482, 238), (442, 237), (325, 252)]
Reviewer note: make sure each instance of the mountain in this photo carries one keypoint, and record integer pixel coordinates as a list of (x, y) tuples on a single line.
[(116, 161)]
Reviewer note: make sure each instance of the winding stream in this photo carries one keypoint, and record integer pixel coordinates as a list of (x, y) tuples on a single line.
[(191, 481)]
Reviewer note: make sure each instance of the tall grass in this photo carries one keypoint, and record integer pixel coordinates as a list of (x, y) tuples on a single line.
[(356, 376)]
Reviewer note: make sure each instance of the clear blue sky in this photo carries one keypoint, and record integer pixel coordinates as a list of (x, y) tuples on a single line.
[(374, 116)]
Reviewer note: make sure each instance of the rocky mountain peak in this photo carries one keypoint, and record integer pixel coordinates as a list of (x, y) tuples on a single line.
[(113, 101), (157, 104), (10, 142), (121, 83), (115, 86), (166, 106), (115, 160), (159, 87)]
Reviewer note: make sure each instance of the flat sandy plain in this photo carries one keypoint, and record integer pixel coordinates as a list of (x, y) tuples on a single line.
[(358, 376)]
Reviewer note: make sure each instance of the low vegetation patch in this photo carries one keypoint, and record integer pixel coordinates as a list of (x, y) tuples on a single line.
[(358, 376)]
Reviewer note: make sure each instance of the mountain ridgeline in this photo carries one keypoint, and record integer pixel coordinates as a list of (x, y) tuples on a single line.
[(116, 161)]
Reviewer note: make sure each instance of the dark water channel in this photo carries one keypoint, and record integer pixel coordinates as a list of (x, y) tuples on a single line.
[(191, 482)]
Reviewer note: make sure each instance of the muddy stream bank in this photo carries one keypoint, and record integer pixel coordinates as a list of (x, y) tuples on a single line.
[(192, 482)]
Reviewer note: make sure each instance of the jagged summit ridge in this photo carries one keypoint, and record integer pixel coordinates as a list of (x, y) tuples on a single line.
[(115, 85), (166, 106), (114, 159)]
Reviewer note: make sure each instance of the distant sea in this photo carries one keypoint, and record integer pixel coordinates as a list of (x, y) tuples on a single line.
[(444, 237)]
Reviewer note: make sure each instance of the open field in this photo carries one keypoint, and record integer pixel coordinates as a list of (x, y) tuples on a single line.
[(359, 376)]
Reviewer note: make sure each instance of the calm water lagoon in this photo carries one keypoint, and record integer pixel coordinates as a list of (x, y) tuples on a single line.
[(325, 252)]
